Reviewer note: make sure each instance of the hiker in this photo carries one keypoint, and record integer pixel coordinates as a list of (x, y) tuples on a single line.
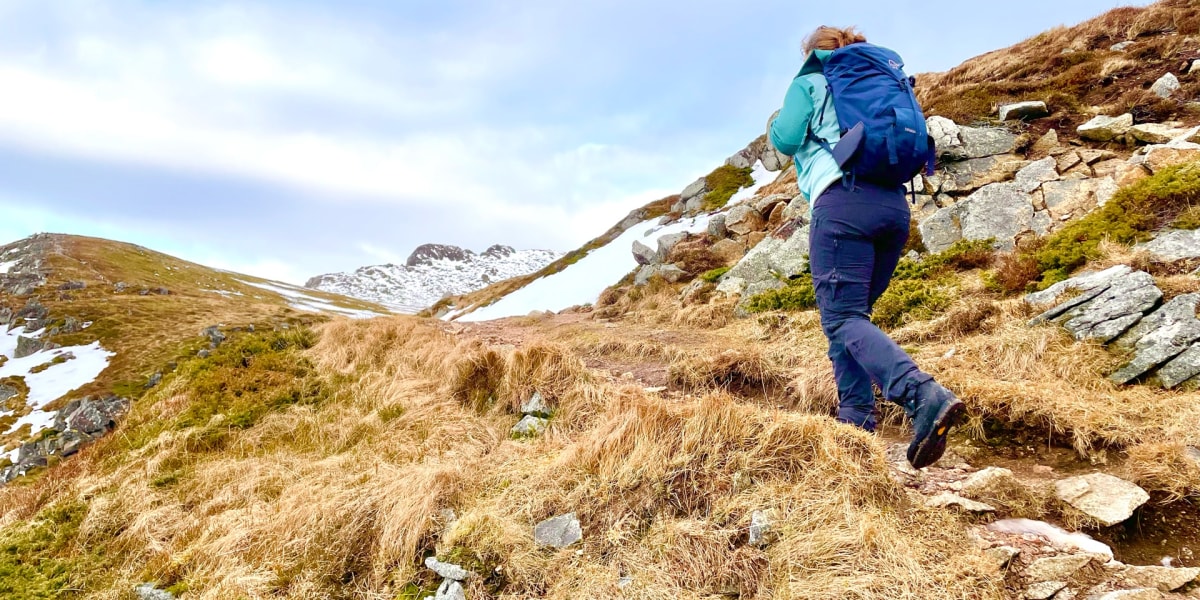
[(857, 135)]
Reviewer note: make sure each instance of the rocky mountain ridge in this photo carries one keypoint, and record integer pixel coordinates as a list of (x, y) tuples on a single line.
[(431, 272)]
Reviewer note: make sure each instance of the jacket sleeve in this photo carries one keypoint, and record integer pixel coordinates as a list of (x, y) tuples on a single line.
[(789, 130)]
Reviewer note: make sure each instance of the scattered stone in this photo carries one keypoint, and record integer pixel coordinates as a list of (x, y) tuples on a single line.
[(1107, 499), (1044, 590), (1120, 46), (72, 285), (535, 406), (624, 581), (530, 426), (1031, 177), (643, 254), (1166, 579), (1106, 310), (558, 532), (987, 141), (1166, 86), (147, 591), (447, 570), (1174, 244), (203, 353), (1105, 129), (1024, 111), (27, 347), (716, 229), (214, 335), (1000, 557), (154, 380), (989, 481), (729, 251), (120, 287), (948, 499), (1045, 144), (743, 219), (760, 529), (666, 243), (450, 590), (1155, 133)]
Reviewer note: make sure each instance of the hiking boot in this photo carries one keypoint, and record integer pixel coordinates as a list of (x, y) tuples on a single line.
[(936, 412)]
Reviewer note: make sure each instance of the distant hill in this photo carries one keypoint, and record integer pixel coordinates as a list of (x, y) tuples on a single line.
[(432, 272)]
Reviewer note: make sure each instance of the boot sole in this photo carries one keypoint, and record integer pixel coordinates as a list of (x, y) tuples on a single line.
[(931, 449)]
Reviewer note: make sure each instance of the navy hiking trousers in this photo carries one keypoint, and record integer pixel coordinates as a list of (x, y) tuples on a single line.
[(855, 243)]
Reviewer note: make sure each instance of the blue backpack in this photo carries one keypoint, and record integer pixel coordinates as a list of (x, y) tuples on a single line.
[(884, 139)]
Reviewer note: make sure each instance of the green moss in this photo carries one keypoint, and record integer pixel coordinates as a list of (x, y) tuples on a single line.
[(797, 294), (715, 274), (723, 183), (39, 559)]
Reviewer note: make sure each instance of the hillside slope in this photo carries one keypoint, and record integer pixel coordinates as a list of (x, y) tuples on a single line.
[(101, 318), (673, 438)]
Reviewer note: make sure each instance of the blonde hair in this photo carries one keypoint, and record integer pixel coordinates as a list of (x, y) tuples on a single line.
[(832, 38)]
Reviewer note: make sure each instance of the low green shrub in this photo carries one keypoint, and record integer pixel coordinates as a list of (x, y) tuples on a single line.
[(1188, 219), (723, 183), (911, 300), (796, 294), (38, 559)]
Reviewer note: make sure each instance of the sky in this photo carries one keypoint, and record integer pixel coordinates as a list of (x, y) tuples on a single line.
[(291, 138)]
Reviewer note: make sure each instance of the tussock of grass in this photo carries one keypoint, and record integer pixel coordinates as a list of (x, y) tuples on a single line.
[(723, 183)]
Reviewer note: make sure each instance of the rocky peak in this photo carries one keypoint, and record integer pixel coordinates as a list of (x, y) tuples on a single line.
[(425, 254), (499, 251)]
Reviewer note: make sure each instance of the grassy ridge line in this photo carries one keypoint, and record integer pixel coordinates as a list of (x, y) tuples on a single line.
[(1072, 68)]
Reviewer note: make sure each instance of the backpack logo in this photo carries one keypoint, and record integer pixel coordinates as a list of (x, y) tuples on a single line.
[(894, 64)]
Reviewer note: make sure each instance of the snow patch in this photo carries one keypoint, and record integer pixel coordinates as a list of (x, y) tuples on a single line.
[(5, 266), (582, 282), (761, 177), (298, 299), (225, 293), (1055, 535), (53, 383)]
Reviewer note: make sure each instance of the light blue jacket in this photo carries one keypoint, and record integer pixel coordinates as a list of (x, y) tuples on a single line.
[(816, 168)]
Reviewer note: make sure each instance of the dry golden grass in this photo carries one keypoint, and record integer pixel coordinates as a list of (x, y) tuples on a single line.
[(343, 499)]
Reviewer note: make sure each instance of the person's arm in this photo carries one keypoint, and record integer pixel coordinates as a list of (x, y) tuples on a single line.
[(790, 129)]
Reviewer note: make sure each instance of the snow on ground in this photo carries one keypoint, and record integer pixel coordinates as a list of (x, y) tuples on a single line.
[(5, 266), (582, 282), (761, 177), (225, 293), (54, 382), (298, 299)]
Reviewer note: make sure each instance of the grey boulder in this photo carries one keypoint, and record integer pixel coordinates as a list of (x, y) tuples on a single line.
[(1166, 86), (558, 532), (1107, 499), (1173, 245), (643, 254), (1105, 129), (1025, 111), (447, 570)]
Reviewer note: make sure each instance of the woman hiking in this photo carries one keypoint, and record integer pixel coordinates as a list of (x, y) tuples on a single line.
[(860, 224)]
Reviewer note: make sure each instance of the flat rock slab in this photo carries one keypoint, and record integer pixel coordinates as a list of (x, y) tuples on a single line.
[(1105, 129), (1166, 579), (1034, 109), (1173, 245), (1116, 310), (1141, 594), (1000, 557), (558, 532), (1107, 499)]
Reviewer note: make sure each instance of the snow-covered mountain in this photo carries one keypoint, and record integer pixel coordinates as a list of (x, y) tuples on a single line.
[(431, 272)]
